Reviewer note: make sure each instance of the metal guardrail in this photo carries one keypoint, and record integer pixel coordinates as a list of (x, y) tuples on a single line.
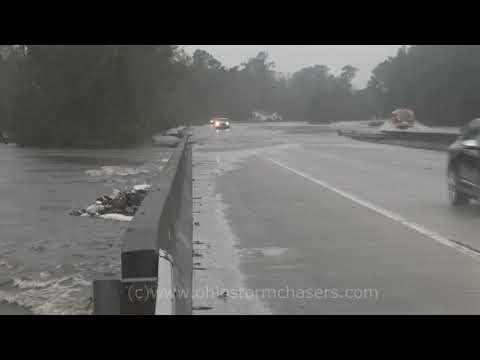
[(156, 258)]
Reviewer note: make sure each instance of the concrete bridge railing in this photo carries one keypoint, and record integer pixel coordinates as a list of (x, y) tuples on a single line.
[(156, 258)]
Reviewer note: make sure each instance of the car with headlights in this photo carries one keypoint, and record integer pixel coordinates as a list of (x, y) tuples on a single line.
[(218, 118), (221, 123), (463, 170)]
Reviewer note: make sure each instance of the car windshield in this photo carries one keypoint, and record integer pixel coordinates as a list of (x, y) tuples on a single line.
[(239, 179)]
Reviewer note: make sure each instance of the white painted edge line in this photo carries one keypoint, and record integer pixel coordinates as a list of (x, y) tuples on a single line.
[(388, 214), (165, 299)]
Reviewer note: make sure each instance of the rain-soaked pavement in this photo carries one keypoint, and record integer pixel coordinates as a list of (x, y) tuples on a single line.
[(293, 219), (48, 259)]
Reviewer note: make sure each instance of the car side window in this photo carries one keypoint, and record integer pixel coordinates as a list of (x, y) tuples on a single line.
[(472, 134)]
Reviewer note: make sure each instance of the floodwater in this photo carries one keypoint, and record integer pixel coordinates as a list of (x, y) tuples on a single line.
[(48, 258)]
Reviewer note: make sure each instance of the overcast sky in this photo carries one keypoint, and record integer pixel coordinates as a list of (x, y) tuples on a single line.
[(291, 58)]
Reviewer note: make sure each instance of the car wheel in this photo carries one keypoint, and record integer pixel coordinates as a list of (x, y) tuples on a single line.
[(455, 197)]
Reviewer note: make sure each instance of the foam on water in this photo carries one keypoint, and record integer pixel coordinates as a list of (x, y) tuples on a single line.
[(27, 284), (68, 295), (123, 171)]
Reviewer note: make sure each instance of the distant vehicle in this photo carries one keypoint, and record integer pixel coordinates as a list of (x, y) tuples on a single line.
[(463, 171), (221, 123), (403, 118), (215, 119)]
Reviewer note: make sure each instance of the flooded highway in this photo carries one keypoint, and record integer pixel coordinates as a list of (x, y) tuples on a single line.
[(296, 219), (281, 212)]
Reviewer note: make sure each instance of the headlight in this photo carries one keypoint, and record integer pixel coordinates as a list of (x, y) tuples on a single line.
[(227, 123), (217, 123)]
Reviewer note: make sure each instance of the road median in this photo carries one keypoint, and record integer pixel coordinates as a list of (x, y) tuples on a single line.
[(430, 140)]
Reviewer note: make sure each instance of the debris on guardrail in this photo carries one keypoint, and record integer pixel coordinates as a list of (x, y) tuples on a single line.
[(120, 205)]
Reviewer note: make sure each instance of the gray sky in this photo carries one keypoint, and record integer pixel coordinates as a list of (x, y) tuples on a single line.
[(291, 58)]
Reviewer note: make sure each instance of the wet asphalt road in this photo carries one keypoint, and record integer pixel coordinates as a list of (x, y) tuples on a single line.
[(344, 227)]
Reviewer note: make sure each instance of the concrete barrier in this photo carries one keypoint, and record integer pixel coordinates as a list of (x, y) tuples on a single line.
[(422, 140), (156, 258)]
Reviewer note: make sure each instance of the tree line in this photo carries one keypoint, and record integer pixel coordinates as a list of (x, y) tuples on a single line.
[(441, 83), (118, 95)]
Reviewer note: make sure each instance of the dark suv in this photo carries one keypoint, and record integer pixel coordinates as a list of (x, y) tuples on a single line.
[(464, 165)]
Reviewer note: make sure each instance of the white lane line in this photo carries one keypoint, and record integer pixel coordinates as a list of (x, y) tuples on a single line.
[(464, 249)]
